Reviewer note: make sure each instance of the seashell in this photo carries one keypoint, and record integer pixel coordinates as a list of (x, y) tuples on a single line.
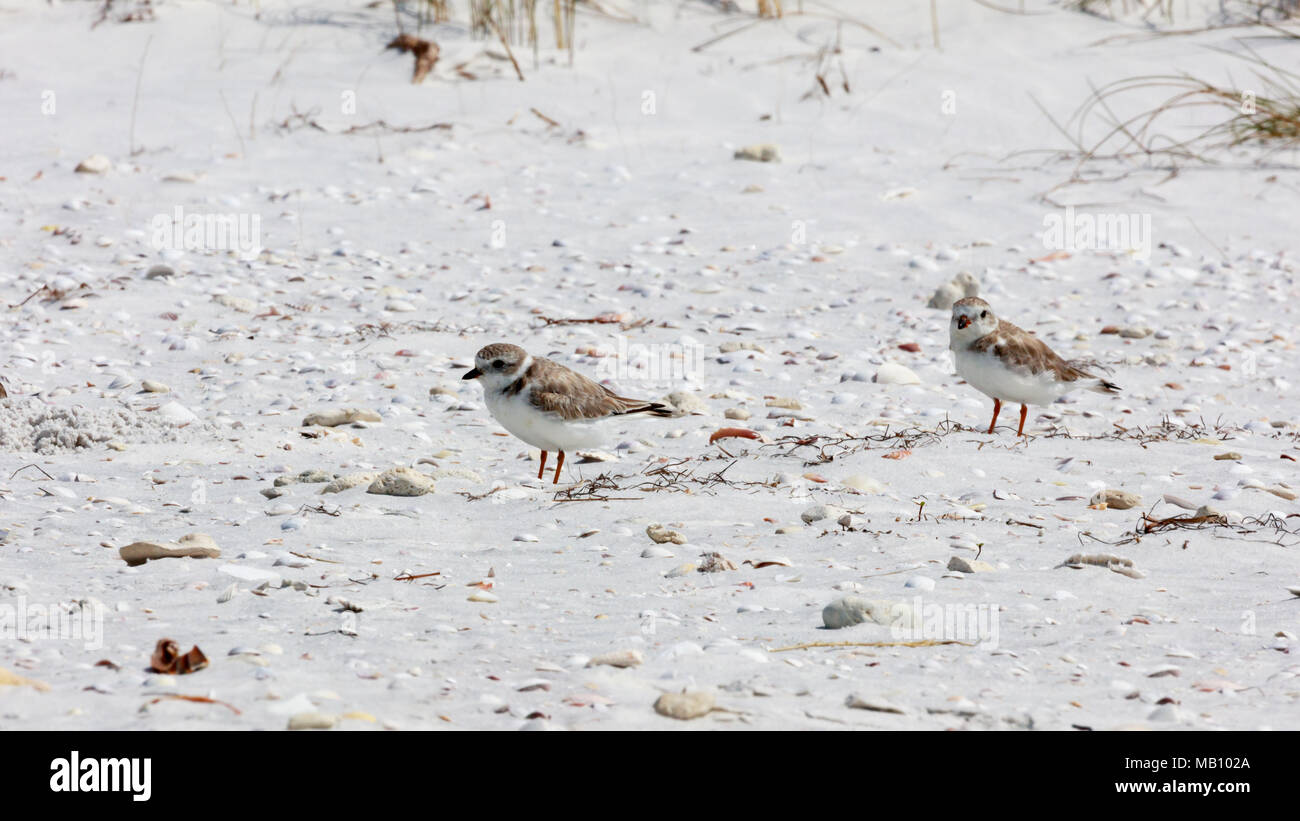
[(875, 705), (960, 565), (311, 721), (341, 416), (619, 658), (892, 373), (177, 414), (94, 164), (660, 534), (1115, 499), (760, 152)]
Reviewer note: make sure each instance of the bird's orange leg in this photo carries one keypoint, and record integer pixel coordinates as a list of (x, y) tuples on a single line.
[(997, 408), (559, 463), (542, 469), (1024, 409)]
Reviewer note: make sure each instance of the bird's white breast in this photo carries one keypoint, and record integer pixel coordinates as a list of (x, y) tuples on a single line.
[(990, 375), (542, 430)]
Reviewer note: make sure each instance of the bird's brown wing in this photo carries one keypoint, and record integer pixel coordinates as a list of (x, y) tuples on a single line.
[(1026, 352), (572, 396)]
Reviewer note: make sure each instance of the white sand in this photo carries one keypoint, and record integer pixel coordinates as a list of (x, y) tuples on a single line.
[(386, 277)]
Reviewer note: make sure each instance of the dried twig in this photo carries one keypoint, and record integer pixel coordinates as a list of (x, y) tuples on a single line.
[(491, 20), (410, 578), (38, 467), (195, 699)]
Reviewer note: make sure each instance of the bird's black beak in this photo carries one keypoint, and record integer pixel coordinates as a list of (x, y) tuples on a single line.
[(962, 322), (473, 373)]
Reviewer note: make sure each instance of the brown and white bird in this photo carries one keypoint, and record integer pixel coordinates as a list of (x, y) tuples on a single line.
[(547, 405), (1010, 364)]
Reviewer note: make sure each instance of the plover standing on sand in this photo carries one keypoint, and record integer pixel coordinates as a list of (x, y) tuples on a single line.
[(1010, 364), (547, 405)]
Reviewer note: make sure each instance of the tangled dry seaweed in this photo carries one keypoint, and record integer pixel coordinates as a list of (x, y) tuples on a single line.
[(1268, 524), (669, 477), (827, 448)]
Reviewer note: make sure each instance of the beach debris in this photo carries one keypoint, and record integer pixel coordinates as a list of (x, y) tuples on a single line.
[(1115, 499), (189, 546), (402, 481), (424, 51), (875, 705), (732, 433), (167, 658), (311, 721), (618, 658), (9, 678), (714, 563), (341, 416), (686, 705), (962, 565), (1116, 564), (759, 152), (660, 534), (94, 164)]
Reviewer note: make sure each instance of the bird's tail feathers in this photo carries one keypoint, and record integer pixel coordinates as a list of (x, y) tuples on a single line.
[(654, 409)]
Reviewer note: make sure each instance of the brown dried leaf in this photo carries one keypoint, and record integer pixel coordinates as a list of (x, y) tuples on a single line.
[(426, 54), (167, 658)]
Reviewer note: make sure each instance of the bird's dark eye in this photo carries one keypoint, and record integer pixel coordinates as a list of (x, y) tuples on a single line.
[(499, 364), (984, 313)]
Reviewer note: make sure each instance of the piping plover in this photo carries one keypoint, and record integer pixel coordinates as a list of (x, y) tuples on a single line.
[(1010, 364), (546, 404)]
